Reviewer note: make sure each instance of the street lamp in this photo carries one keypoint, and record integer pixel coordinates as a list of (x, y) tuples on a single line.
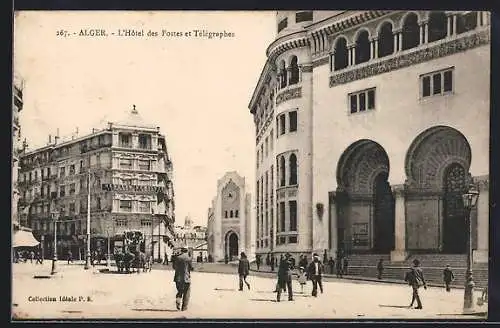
[(54, 257), (470, 199), (87, 257)]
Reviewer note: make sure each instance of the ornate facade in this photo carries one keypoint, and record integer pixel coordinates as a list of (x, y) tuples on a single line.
[(364, 139), (17, 107), (130, 176), (229, 228)]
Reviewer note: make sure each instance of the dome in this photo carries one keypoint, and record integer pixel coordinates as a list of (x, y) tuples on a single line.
[(134, 119)]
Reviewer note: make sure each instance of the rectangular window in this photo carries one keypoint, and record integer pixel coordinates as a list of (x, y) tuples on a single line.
[(282, 124), (371, 99), (282, 24), (126, 205), (448, 81), (437, 83), (144, 141), (354, 103), (72, 188), (125, 140), (282, 215), (267, 146), (72, 208), (145, 207), (62, 171), (293, 215), (426, 86), (292, 239), (98, 203), (144, 165), (362, 100), (72, 169), (271, 140), (303, 16), (62, 191), (293, 121), (126, 164)]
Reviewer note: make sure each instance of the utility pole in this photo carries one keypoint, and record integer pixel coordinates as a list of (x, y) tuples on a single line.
[(87, 257)]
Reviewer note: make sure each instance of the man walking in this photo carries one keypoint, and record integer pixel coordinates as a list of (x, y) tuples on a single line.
[(415, 278), (315, 271), (380, 269), (243, 270), (448, 277), (183, 265), (285, 277)]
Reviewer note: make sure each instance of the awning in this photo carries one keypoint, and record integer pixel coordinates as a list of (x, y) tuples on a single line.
[(24, 239)]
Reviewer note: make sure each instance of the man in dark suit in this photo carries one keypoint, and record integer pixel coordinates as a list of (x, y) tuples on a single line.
[(314, 272), (182, 278), (415, 278), (285, 277), (243, 270), (448, 277)]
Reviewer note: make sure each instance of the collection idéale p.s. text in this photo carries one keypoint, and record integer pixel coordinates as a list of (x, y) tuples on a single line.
[(141, 33), (67, 298)]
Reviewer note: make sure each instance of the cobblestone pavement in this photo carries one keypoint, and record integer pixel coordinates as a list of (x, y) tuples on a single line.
[(214, 295)]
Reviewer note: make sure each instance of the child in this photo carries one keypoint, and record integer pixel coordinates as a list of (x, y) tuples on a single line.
[(302, 279)]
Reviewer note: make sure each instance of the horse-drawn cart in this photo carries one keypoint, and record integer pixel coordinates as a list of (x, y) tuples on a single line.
[(127, 253)]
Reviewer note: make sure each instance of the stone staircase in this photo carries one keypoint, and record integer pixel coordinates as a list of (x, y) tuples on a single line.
[(365, 265)]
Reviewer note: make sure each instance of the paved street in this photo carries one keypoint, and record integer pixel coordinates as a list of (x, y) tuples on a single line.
[(214, 295)]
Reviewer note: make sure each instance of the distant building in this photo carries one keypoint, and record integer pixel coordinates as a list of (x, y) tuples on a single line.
[(17, 107), (131, 187), (229, 225), (194, 238)]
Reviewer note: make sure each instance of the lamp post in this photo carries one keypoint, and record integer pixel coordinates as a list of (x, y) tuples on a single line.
[(470, 199), (87, 257), (54, 257)]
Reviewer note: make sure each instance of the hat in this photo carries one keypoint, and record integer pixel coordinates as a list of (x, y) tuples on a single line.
[(315, 255), (416, 262), (288, 255)]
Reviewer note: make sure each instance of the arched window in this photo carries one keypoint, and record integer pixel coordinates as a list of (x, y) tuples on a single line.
[(283, 74), (294, 71), (437, 26), (411, 32), (293, 169), (231, 213), (466, 22), (282, 170), (236, 214), (385, 40), (225, 214), (340, 54), (362, 48)]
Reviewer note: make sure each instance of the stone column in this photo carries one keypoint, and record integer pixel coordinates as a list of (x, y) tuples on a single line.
[(422, 33), (426, 32), (396, 41), (454, 22), (480, 254), (399, 253), (449, 19), (135, 140), (372, 49), (375, 44), (400, 40), (332, 62)]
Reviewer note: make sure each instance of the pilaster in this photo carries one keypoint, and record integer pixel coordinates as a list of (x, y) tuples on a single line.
[(399, 253)]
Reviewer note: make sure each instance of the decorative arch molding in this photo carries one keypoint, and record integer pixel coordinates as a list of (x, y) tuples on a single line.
[(431, 153), (358, 33), (382, 23), (359, 165), (229, 232), (421, 16)]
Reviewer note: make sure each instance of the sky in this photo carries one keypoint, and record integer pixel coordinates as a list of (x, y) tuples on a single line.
[(195, 89)]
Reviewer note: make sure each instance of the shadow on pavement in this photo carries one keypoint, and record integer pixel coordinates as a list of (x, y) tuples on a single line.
[(156, 310), (394, 306), (226, 289), (71, 311), (262, 300)]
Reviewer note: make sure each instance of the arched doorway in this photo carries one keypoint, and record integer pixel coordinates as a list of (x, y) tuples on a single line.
[(232, 246), (437, 165), (454, 222), (365, 206), (383, 215)]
